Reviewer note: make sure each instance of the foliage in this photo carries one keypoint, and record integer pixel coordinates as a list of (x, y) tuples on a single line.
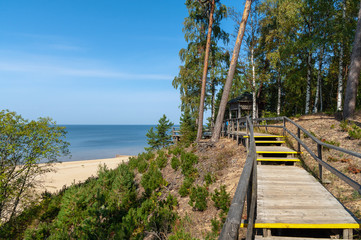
[(354, 132), (198, 198), (192, 57), (175, 163), (187, 163), (209, 178), (186, 186), (152, 180), (24, 144), (344, 125), (221, 199), (176, 151), (188, 128), (160, 138), (161, 160)]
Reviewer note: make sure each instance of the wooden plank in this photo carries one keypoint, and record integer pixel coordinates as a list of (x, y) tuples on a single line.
[(278, 160), (257, 237), (290, 197), (270, 142), (275, 149)]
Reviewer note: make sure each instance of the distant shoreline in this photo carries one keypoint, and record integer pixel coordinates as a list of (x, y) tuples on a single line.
[(70, 172)]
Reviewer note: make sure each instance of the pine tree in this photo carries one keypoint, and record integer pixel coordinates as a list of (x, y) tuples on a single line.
[(160, 138)]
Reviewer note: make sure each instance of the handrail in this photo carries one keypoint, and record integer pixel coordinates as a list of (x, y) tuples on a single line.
[(247, 186), (355, 185), (248, 179)]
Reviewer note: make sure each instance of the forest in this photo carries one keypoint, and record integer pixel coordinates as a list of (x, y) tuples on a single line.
[(295, 56)]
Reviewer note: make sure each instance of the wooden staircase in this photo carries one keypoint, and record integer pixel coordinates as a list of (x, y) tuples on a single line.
[(290, 201)]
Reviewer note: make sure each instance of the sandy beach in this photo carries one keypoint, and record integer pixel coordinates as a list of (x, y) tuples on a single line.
[(77, 171)]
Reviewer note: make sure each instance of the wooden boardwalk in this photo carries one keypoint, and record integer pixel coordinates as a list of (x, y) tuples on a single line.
[(288, 197)]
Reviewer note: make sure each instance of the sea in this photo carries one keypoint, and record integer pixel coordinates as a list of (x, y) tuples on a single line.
[(89, 142)]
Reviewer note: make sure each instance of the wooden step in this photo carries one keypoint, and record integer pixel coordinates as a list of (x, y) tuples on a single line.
[(257, 237), (275, 150), (271, 142), (269, 159)]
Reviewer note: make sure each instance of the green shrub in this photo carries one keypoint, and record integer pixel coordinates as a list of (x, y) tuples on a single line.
[(133, 162), (176, 151), (198, 198), (175, 163), (344, 125), (187, 162), (152, 180), (186, 186), (209, 178), (142, 166), (221, 199), (181, 235), (354, 132), (162, 160), (331, 142), (146, 155)]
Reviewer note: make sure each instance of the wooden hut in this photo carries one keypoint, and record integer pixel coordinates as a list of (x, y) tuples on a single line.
[(240, 106)]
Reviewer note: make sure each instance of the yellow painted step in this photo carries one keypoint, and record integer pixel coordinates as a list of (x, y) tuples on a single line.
[(264, 159), (269, 142), (275, 150), (304, 225)]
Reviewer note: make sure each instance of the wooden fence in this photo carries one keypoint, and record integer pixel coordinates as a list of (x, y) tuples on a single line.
[(247, 185)]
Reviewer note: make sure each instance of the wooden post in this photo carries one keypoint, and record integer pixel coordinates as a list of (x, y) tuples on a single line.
[(237, 131), (347, 234), (266, 126), (284, 125), (319, 150), (299, 136)]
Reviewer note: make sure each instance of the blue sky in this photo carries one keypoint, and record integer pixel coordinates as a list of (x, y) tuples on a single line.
[(92, 62)]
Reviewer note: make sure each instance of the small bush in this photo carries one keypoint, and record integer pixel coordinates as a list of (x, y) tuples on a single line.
[(186, 186), (142, 166), (332, 159), (175, 163), (334, 143), (146, 155), (198, 198), (162, 160), (152, 180), (209, 178), (344, 126), (187, 162), (177, 151), (222, 199), (354, 132), (133, 162)]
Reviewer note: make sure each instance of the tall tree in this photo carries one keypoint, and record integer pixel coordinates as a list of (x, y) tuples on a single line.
[(354, 73), (23, 145), (340, 68), (232, 68), (189, 78), (205, 71)]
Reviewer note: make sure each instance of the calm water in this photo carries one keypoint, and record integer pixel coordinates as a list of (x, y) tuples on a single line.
[(105, 141)]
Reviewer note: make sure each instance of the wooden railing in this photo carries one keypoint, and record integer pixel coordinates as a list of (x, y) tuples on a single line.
[(246, 188), (247, 184)]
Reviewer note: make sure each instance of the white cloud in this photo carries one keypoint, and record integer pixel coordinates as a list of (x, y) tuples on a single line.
[(77, 70)]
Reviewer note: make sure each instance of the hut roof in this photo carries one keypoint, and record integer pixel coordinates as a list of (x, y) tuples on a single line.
[(244, 97)]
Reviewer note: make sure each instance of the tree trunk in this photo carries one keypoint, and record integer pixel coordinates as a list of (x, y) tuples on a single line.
[(205, 70), (340, 63), (279, 94), (232, 69), (254, 99), (354, 73), (315, 109), (213, 106), (308, 89)]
